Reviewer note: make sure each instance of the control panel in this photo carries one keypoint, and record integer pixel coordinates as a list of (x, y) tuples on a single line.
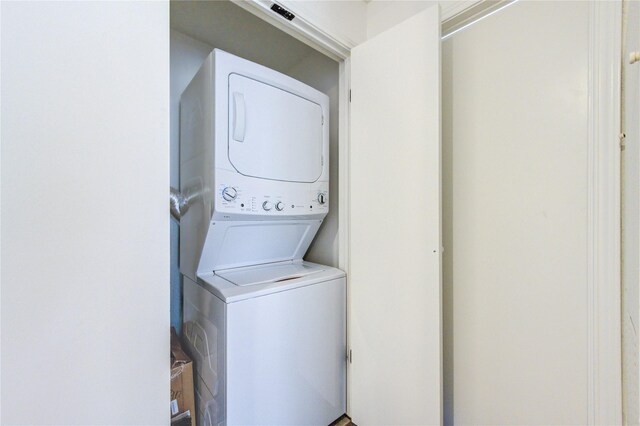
[(238, 195), (237, 199)]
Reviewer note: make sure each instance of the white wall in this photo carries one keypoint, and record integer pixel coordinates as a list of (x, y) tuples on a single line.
[(515, 111), (85, 172), (384, 14), (344, 19), (631, 228)]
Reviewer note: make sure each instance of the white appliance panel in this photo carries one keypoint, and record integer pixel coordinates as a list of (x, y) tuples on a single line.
[(233, 244), (286, 357), (273, 358), (273, 134), (207, 408), (204, 335)]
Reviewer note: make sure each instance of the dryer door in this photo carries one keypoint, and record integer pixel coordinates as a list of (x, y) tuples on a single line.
[(273, 134)]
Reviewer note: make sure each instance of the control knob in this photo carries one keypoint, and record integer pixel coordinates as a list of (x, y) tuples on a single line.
[(229, 193), (267, 206), (322, 198), (279, 206)]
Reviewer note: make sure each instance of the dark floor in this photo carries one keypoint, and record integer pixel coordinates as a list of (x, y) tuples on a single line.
[(343, 421)]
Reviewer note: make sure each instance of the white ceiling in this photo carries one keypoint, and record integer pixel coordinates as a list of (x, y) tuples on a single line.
[(226, 26)]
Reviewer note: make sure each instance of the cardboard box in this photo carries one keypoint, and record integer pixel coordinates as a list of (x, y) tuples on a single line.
[(181, 380)]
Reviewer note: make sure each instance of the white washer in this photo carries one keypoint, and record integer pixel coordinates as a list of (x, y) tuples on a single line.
[(269, 343)]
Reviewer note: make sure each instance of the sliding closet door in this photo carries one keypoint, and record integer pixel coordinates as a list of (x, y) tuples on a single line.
[(395, 240)]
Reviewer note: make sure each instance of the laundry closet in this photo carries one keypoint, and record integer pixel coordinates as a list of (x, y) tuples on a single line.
[(255, 158), (532, 133), (374, 215)]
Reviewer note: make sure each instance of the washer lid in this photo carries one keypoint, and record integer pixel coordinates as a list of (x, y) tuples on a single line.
[(273, 134), (229, 292), (264, 274)]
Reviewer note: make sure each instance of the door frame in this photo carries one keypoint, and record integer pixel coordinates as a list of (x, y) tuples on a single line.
[(604, 214), (603, 233)]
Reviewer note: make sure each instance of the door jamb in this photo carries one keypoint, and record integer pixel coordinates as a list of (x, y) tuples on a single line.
[(603, 275)]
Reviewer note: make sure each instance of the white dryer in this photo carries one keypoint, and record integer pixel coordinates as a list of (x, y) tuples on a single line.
[(254, 160), (267, 330)]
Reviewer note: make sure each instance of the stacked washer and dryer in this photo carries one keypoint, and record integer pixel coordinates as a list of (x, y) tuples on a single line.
[(266, 329)]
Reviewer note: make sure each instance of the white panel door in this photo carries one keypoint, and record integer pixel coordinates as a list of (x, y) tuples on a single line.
[(394, 258)]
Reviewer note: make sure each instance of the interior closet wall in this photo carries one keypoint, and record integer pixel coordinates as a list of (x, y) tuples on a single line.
[(515, 133), (198, 27)]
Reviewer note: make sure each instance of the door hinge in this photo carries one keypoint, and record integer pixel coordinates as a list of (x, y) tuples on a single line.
[(322, 124), (349, 95), (349, 356)]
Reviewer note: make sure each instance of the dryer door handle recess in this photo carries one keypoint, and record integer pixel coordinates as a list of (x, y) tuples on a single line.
[(239, 117)]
